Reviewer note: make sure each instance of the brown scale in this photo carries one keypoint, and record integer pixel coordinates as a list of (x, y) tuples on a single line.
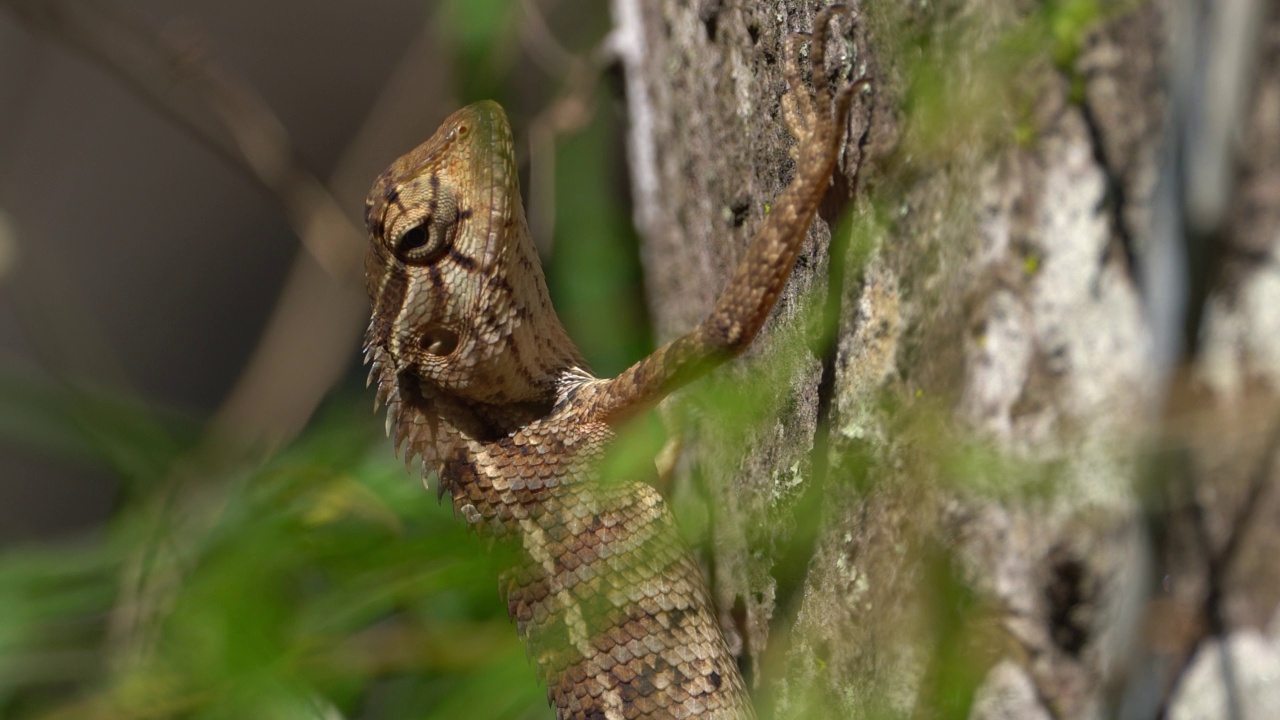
[(482, 382)]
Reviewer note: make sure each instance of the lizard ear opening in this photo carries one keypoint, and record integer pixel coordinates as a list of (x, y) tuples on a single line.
[(439, 341)]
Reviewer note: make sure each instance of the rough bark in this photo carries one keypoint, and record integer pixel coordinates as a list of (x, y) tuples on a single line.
[(956, 502)]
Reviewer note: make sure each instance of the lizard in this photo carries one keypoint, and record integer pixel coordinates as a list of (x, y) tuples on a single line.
[(481, 381)]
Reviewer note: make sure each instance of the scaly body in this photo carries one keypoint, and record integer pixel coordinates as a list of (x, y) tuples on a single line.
[(483, 383)]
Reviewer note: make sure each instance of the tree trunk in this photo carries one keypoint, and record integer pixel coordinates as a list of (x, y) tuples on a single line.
[(953, 500)]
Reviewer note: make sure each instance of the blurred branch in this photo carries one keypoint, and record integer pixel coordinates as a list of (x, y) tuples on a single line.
[(1212, 69), (1219, 563), (537, 38), (571, 110), (315, 317), (312, 324), (175, 78)]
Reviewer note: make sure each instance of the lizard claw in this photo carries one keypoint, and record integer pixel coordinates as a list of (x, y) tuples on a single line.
[(801, 108)]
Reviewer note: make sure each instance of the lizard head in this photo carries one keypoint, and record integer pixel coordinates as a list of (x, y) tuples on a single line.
[(460, 305)]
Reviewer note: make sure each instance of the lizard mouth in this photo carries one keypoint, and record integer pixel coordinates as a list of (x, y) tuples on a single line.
[(439, 341)]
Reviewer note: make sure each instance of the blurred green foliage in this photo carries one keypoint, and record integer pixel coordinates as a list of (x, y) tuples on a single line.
[(594, 277), (325, 576), (481, 33), (974, 73)]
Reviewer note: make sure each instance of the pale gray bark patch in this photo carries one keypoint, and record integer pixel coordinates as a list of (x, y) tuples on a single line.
[(1237, 678), (1008, 694)]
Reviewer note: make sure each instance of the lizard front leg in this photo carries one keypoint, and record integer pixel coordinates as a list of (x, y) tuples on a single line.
[(818, 123)]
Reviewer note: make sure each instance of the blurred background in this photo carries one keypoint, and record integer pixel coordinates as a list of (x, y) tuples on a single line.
[(181, 257)]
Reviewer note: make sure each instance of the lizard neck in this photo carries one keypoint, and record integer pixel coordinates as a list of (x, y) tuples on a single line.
[(519, 349)]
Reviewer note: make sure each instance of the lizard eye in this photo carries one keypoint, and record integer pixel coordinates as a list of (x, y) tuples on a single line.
[(423, 243)]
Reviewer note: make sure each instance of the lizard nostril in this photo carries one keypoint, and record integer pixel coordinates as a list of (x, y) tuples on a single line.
[(439, 341)]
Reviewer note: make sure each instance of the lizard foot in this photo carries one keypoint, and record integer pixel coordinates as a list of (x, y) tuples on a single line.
[(811, 117)]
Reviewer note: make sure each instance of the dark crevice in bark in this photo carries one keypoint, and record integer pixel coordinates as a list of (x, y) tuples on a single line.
[(1115, 198), (709, 14), (791, 569), (1066, 596), (739, 615)]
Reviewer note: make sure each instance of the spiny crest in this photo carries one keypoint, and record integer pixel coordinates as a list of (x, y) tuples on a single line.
[(413, 428)]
